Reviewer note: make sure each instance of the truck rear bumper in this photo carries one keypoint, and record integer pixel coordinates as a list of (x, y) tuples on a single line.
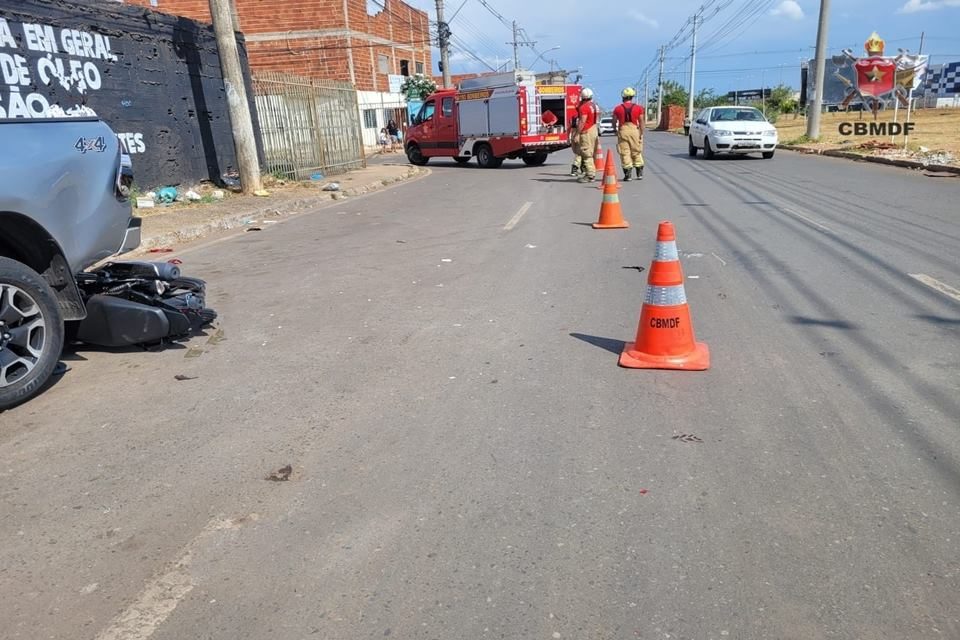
[(131, 238)]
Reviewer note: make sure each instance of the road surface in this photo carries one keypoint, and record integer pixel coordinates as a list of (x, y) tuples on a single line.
[(437, 363)]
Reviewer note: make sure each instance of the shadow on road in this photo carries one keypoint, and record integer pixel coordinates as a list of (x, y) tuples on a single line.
[(835, 324), (609, 344)]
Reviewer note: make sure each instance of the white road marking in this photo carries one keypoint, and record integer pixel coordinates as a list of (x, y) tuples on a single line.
[(516, 218), (162, 594), (933, 283), (804, 218), (722, 261)]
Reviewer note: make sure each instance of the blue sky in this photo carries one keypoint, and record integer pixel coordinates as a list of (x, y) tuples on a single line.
[(614, 41)]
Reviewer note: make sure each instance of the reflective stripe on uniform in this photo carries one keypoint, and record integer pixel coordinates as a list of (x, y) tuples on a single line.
[(665, 296)]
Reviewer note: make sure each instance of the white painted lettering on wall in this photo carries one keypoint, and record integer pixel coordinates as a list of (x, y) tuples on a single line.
[(132, 142), (69, 61)]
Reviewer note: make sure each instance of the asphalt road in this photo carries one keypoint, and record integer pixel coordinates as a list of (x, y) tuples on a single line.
[(468, 461)]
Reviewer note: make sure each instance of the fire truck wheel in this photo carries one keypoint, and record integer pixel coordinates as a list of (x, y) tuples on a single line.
[(461, 159), (485, 157), (415, 156), (535, 160)]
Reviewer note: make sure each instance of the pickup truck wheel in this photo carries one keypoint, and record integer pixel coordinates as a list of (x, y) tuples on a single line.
[(31, 332), (535, 160), (767, 155), (691, 150), (461, 159), (415, 156), (485, 157)]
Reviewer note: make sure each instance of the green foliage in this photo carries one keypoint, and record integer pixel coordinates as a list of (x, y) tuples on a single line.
[(707, 98), (804, 139), (418, 87), (673, 94)]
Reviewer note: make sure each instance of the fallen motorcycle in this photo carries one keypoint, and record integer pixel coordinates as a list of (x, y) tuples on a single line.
[(141, 303)]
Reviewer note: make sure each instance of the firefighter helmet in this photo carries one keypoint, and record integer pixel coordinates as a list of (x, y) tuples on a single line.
[(629, 92), (587, 94)]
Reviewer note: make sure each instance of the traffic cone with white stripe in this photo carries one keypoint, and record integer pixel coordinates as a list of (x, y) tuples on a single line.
[(665, 337), (598, 155), (611, 215)]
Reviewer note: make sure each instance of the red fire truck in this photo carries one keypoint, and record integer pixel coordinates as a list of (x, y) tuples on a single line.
[(493, 118)]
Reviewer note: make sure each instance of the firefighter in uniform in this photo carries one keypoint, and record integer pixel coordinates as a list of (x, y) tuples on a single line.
[(587, 117), (628, 118)]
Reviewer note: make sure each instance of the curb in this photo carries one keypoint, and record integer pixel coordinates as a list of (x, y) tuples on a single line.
[(271, 210), (895, 162)]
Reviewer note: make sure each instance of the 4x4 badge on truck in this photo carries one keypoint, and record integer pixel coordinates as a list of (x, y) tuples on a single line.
[(91, 144)]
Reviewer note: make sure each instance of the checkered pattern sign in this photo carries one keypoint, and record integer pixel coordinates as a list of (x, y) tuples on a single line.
[(944, 81)]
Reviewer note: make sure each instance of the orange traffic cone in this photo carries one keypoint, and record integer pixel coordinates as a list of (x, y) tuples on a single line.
[(665, 337), (611, 215), (598, 155)]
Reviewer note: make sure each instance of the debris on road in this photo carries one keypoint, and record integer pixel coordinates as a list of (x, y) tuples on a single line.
[(280, 475), (638, 268), (333, 186), (686, 437), (180, 377)]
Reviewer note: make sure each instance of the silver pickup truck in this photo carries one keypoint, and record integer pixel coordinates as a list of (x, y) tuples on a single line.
[(65, 206)]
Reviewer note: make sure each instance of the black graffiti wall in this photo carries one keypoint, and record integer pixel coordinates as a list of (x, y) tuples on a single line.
[(155, 79)]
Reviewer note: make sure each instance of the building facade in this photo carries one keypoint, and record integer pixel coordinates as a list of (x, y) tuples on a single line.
[(372, 44), (360, 41)]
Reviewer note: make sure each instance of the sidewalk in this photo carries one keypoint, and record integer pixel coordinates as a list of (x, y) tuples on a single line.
[(183, 222)]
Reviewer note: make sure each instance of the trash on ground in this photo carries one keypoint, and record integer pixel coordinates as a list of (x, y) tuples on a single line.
[(193, 352), (254, 229), (160, 250), (145, 203), (182, 377), (686, 437), (261, 193), (193, 196), (316, 177), (218, 194), (333, 186), (166, 195), (637, 267), (281, 475)]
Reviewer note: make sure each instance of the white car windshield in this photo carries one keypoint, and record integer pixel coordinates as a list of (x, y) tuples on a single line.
[(736, 115)]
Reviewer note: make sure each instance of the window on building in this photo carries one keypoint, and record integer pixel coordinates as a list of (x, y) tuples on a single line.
[(374, 7), (383, 63), (419, 67), (447, 107), (404, 67), (370, 118)]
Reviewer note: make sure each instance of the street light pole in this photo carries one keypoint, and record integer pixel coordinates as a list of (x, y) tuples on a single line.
[(537, 59)]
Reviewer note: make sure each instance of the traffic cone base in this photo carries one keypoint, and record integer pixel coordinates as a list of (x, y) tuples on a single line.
[(611, 214), (698, 360)]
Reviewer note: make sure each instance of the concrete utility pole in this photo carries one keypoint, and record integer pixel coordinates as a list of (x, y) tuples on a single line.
[(813, 112), (693, 64), (646, 95), (660, 91), (240, 119), (516, 49), (443, 37)]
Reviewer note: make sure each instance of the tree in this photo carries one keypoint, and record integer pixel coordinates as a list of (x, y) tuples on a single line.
[(781, 99), (673, 94), (418, 87), (707, 98)]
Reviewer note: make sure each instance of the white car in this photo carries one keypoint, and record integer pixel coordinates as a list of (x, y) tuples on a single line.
[(735, 130), (606, 125)]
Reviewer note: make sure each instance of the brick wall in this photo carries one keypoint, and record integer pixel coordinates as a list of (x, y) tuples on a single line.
[(283, 36)]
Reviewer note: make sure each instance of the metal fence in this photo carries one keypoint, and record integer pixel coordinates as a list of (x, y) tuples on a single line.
[(307, 125)]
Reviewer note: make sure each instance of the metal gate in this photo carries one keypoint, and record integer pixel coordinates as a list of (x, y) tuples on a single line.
[(307, 125)]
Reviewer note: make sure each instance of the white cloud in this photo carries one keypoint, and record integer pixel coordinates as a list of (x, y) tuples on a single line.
[(643, 19), (790, 9), (914, 6)]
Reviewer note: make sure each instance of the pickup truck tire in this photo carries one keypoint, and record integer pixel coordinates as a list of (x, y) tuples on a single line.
[(461, 159), (415, 156), (535, 160), (31, 335), (485, 157)]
